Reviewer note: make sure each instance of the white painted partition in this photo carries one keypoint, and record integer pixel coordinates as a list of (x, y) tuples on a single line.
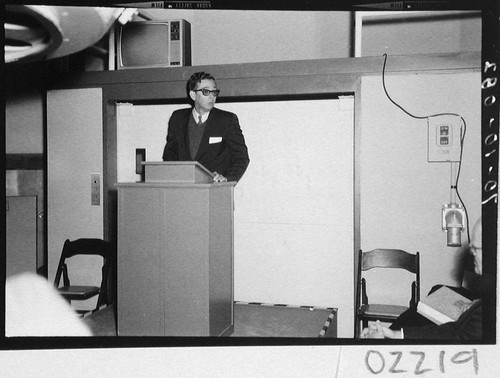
[(74, 152), (293, 207)]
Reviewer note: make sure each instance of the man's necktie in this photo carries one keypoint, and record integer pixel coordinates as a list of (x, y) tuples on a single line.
[(199, 120)]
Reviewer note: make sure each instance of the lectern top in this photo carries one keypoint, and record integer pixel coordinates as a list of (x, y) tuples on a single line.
[(176, 171)]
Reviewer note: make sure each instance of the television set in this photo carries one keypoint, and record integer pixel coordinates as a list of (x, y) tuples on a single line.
[(154, 43)]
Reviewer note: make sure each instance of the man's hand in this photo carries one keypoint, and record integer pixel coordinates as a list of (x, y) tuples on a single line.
[(465, 306), (377, 331), (372, 332), (219, 178)]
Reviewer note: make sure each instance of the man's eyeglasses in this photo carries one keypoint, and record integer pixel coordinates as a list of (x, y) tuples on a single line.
[(206, 92)]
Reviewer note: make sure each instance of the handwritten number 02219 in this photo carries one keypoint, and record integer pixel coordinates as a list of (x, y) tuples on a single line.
[(375, 361)]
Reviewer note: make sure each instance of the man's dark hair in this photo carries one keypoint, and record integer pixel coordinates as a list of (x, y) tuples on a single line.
[(196, 78)]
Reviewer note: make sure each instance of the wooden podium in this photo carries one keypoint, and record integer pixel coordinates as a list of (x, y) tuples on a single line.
[(175, 253)]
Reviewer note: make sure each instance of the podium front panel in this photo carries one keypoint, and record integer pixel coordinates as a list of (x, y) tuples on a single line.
[(175, 259)]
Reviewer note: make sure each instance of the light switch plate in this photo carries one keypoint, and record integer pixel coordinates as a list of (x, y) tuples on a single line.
[(444, 133), (95, 189)]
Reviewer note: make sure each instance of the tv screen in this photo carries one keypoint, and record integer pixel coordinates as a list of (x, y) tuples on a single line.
[(146, 44)]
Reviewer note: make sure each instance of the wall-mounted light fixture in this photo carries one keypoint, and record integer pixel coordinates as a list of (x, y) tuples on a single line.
[(452, 218)]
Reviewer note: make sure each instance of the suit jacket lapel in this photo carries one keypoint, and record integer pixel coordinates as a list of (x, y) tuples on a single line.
[(186, 135)]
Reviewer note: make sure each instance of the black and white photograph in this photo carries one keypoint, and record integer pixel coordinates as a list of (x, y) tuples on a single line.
[(251, 189)]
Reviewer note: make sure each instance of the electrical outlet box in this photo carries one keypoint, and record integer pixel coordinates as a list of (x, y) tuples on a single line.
[(95, 189), (444, 138)]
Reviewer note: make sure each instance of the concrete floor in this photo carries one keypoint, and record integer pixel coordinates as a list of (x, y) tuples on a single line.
[(251, 320)]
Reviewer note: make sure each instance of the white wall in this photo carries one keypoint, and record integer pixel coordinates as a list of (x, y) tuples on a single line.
[(24, 123), (239, 36), (74, 152), (406, 33), (294, 205), (401, 193), (140, 127)]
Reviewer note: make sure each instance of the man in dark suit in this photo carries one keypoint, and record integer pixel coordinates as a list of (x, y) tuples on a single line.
[(205, 134), (412, 325)]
